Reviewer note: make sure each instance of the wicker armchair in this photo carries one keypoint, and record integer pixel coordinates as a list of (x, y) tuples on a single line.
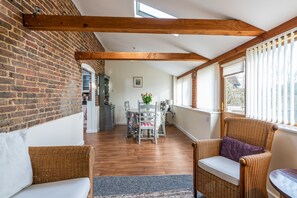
[(51, 164), (253, 168)]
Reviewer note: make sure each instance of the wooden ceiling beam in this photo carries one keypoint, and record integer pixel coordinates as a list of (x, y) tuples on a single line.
[(242, 48), (139, 25), (144, 56)]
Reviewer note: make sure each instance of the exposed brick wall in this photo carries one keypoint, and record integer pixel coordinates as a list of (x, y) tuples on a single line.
[(194, 89), (40, 80)]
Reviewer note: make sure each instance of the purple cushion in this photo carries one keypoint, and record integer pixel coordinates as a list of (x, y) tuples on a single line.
[(235, 149)]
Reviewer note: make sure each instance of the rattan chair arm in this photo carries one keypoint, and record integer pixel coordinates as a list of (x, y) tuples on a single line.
[(253, 174), (207, 148), (62, 162), (254, 160)]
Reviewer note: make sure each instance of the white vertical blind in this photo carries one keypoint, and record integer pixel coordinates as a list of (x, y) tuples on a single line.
[(187, 90), (270, 81), (207, 88), (179, 91), (184, 91)]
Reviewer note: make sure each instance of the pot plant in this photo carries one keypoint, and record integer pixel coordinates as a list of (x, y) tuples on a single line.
[(147, 98)]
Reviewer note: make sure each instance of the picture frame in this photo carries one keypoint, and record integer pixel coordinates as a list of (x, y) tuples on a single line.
[(137, 82)]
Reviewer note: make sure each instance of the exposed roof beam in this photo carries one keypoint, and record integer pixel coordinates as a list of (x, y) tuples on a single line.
[(145, 56), (139, 25), (242, 48)]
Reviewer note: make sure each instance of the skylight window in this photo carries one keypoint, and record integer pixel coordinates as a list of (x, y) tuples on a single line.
[(146, 11), (143, 10)]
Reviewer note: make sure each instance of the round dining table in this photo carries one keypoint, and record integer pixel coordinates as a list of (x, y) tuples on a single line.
[(284, 181)]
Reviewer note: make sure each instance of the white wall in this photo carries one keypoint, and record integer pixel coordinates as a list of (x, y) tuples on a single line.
[(121, 84), (284, 155), (63, 131), (197, 124)]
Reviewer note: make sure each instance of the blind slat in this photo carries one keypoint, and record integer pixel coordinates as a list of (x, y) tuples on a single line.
[(274, 118), (292, 81), (269, 84), (279, 87), (285, 64), (248, 76)]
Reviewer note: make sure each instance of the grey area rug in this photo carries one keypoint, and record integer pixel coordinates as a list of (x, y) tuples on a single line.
[(163, 194), (143, 186)]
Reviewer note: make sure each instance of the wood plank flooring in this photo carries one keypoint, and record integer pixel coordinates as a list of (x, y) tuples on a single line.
[(117, 155)]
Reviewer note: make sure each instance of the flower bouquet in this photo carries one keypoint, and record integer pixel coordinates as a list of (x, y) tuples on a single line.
[(147, 98)]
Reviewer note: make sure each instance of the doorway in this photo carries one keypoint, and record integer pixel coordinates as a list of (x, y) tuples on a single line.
[(86, 95), (88, 99)]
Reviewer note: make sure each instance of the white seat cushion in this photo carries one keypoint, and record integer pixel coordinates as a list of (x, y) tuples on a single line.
[(74, 188), (222, 167)]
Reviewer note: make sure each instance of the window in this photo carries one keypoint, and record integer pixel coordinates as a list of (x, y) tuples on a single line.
[(86, 82), (271, 80), (184, 91), (207, 88), (234, 86), (143, 10)]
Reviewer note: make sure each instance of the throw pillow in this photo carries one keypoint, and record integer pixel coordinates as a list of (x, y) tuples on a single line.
[(235, 149), (16, 170)]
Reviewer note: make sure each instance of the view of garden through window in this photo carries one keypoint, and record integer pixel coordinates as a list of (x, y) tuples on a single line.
[(235, 93)]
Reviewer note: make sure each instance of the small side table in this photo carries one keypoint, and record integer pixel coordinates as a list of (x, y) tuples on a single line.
[(167, 113), (284, 181)]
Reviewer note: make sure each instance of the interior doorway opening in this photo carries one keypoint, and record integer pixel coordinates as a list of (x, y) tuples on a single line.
[(88, 99), (86, 93)]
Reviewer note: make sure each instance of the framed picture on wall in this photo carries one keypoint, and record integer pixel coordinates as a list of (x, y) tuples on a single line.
[(137, 82)]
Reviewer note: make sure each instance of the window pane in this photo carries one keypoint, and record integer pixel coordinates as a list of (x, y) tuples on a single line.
[(235, 93)]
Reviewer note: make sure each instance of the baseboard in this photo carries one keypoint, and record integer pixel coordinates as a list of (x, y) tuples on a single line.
[(121, 123), (91, 131), (271, 194), (189, 135)]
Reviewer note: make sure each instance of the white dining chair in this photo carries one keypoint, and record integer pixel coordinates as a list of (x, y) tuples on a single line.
[(163, 109), (127, 108), (147, 122)]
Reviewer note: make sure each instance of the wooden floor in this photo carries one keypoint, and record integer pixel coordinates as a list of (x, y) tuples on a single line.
[(118, 156)]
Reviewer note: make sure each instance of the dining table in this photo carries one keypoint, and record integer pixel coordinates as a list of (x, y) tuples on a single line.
[(284, 181), (133, 115)]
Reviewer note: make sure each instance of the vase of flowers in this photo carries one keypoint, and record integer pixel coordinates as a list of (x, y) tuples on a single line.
[(147, 98)]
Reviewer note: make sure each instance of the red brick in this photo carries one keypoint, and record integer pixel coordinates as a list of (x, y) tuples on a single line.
[(7, 94), (7, 53), (4, 80), (7, 109)]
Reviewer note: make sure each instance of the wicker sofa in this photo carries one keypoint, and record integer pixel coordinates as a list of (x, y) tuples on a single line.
[(52, 164), (252, 169)]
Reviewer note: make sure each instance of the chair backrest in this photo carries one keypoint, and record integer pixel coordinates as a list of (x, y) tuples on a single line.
[(163, 107), (127, 106), (251, 131), (147, 114)]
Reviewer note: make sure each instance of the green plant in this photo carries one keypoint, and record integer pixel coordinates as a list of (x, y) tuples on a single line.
[(147, 98)]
